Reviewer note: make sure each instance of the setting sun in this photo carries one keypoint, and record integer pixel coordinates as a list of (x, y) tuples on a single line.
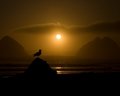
[(58, 36)]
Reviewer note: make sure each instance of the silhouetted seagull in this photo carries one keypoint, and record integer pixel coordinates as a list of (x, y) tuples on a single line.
[(37, 53)]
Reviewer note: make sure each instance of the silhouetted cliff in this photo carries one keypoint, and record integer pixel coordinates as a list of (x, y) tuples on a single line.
[(11, 49), (100, 49)]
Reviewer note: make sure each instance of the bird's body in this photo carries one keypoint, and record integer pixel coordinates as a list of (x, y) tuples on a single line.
[(37, 54)]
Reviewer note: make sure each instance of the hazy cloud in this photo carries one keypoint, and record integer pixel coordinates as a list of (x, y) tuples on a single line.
[(104, 27), (40, 28)]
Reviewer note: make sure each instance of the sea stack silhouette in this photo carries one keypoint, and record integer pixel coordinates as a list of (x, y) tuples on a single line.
[(100, 49), (10, 49), (39, 70)]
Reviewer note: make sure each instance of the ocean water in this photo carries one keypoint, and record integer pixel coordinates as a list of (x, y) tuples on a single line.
[(13, 69)]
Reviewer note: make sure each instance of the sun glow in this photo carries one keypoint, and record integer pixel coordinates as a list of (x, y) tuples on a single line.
[(58, 36)]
